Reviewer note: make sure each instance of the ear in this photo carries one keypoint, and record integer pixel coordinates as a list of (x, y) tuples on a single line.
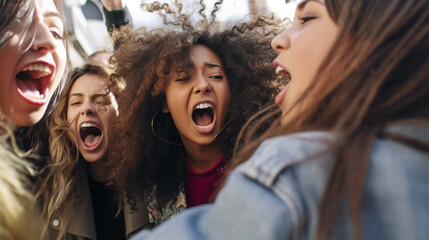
[(165, 108)]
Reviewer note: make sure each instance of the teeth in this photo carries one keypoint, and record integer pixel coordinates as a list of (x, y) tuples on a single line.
[(204, 106), (38, 67), (205, 127), (279, 69), (86, 125), (38, 70), (34, 96)]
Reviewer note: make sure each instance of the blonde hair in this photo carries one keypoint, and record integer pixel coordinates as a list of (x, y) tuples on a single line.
[(59, 179), (18, 218)]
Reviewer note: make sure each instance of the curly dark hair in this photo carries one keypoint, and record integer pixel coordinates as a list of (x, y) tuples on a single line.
[(145, 59)]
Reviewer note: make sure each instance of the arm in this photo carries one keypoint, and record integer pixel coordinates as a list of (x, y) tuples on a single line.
[(116, 14)]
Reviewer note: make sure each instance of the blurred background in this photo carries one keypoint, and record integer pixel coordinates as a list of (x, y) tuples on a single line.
[(88, 32)]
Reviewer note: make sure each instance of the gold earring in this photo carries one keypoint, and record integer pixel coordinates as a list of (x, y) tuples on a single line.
[(156, 135)]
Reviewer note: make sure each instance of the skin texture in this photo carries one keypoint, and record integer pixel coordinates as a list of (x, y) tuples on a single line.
[(89, 104), (301, 49), (113, 4), (204, 82), (47, 50)]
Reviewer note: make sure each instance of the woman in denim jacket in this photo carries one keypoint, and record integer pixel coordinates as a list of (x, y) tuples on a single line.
[(349, 156)]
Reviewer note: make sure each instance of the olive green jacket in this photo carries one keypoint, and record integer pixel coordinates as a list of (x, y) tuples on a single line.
[(81, 224)]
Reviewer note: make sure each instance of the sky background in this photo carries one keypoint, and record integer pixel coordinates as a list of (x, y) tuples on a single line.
[(91, 34), (230, 10)]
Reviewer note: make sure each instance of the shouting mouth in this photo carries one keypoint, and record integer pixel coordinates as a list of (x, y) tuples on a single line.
[(281, 71), (204, 117), (91, 135), (33, 82)]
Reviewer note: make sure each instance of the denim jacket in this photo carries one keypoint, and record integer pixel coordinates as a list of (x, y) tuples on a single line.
[(276, 193)]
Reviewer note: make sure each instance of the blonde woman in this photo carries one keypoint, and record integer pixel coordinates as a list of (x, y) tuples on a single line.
[(81, 205)]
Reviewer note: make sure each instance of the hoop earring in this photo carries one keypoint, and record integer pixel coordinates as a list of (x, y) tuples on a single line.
[(160, 138)]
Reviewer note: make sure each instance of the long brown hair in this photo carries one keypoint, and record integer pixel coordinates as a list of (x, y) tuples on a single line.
[(58, 184), (375, 76)]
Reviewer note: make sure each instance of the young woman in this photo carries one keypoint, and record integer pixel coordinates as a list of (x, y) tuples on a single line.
[(82, 204), (349, 157), (32, 64), (189, 90)]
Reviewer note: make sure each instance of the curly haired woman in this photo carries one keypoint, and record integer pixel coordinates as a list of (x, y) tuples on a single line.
[(189, 91)]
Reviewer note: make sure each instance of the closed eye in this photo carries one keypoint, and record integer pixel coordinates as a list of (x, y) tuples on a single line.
[(75, 103), (217, 77), (306, 19), (183, 79)]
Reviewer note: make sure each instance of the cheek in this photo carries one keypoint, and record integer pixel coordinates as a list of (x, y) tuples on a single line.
[(110, 118), (71, 116), (224, 95), (308, 57), (175, 97)]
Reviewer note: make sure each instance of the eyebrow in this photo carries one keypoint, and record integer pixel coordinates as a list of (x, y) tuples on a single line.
[(92, 96), (211, 65), (302, 4), (76, 95), (52, 14)]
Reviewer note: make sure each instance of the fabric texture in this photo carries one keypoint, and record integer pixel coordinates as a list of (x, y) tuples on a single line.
[(275, 194)]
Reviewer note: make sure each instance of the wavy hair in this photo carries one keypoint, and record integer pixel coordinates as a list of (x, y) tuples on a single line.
[(59, 178), (377, 75), (18, 214), (146, 59)]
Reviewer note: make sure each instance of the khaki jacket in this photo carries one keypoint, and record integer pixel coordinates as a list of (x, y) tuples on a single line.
[(81, 224)]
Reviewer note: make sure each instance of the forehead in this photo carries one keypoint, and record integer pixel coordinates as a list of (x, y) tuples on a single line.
[(201, 53), (47, 6), (88, 83), (302, 3)]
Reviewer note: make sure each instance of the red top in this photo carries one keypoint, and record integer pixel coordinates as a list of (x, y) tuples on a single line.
[(200, 187)]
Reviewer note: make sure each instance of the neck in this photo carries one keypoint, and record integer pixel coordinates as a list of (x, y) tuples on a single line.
[(99, 171), (203, 158)]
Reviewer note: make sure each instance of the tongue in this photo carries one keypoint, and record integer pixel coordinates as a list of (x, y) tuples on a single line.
[(203, 119), (92, 140), (28, 86)]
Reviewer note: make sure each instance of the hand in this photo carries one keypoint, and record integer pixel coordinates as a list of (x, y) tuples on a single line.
[(113, 4)]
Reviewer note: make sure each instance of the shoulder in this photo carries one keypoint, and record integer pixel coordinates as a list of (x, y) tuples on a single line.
[(291, 170), (276, 154)]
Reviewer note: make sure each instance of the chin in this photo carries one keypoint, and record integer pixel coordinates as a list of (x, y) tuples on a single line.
[(91, 158), (28, 121)]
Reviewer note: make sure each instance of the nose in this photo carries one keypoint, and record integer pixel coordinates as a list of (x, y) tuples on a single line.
[(281, 42), (44, 41), (202, 86), (87, 109)]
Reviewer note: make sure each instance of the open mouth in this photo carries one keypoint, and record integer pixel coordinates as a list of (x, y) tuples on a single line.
[(283, 72), (90, 134), (203, 115), (33, 82)]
